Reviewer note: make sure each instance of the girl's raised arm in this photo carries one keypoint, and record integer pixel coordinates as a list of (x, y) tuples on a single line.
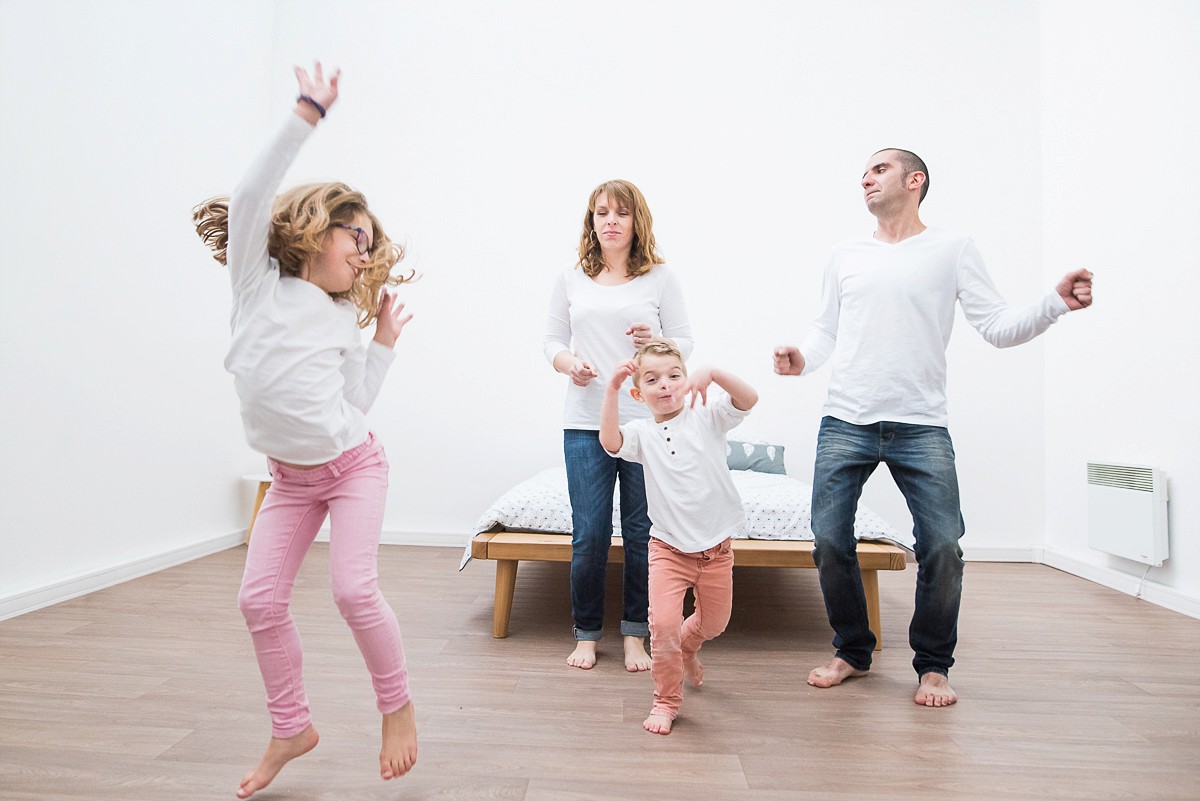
[(251, 203)]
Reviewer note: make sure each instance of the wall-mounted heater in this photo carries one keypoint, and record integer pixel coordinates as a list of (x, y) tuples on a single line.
[(1127, 511)]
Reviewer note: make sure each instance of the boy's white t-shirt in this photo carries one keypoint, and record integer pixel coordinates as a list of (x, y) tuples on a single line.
[(691, 499)]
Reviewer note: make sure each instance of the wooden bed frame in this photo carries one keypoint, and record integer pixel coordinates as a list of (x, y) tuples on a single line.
[(510, 548)]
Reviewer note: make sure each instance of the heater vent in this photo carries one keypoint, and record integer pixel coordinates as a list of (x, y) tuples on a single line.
[(1121, 476), (1127, 511)]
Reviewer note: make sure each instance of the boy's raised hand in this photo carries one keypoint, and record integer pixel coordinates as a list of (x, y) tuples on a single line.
[(315, 86), (697, 385), (621, 372)]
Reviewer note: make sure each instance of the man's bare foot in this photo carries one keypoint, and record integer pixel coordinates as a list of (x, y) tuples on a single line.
[(636, 658), (693, 669), (833, 674), (399, 751), (657, 724), (584, 655), (280, 751), (935, 690)]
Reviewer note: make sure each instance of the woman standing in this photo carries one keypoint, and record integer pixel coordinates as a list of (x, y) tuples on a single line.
[(619, 296)]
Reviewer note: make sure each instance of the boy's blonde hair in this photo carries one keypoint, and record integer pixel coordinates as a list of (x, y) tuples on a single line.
[(643, 252), (657, 347), (301, 218)]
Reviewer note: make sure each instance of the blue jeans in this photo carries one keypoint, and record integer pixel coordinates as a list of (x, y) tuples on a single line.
[(921, 459), (591, 476)]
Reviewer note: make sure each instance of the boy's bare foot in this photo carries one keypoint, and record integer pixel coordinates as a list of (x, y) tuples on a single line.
[(833, 674), (584, 655), (935, 690), (636, 658), (280, 751), (693, 669), (657, 724), (399, 751)]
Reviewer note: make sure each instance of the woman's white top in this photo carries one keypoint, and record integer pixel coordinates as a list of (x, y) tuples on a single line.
[(304, 379), (590, 320)]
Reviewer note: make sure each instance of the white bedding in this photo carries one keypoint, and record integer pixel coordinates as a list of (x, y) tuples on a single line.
[(776, 509)]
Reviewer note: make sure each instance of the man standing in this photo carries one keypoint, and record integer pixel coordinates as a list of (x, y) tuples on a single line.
[(888, 307)]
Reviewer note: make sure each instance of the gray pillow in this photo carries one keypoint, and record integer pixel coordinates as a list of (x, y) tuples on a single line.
[(757, 456)]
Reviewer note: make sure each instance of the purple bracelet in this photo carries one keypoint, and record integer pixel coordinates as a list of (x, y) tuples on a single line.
[(306, 99)]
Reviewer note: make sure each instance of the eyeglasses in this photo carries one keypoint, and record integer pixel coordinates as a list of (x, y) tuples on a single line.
[(361, 241)]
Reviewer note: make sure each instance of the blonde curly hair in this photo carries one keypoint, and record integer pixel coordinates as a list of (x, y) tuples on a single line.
[(301, 218), (643, 252)]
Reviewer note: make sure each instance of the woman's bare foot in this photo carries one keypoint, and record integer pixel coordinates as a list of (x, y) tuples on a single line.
[(399, 751), (693, 669), (280, 751), (935, 690), (833, 674), (657, 724), (584, 655), (636, 658)]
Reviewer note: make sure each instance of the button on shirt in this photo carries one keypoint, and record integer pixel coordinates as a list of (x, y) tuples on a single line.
[(691, 499)]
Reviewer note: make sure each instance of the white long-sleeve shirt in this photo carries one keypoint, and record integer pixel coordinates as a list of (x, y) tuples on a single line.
[(886, 315), (304, 379), (590, 320)]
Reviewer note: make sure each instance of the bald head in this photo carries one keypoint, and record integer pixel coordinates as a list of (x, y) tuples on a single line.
[(909, 162)]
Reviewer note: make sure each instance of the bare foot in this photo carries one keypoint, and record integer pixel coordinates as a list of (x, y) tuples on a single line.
[(935, 691), (399, 751), (833, 674), (693, 669), (657, 724), (636, 658), (584, 655), (280, 751)]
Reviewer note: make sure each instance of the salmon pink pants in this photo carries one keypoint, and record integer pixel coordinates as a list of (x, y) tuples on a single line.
[(673, 639)]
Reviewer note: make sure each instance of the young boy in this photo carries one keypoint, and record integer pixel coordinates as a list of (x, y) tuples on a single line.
[(693, 505)]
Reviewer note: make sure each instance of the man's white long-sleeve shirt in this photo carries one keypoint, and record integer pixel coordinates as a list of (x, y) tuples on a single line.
[(887, 310)]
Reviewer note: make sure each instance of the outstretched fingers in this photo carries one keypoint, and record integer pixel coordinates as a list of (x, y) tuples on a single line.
[(315, 86)]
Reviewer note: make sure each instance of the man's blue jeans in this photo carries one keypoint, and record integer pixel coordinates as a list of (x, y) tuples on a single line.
[(921, 459), (591, 476)]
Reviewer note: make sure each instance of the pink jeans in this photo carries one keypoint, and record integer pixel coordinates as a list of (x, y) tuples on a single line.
[(673, 639), (351, 490)]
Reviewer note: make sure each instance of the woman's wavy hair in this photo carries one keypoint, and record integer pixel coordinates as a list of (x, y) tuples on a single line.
[(643, 252), (301, 218)]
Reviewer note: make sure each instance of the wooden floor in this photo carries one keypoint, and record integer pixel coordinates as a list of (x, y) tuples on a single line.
[(149, 690)]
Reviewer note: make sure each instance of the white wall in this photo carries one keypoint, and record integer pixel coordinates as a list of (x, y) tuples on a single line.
[(1121, 111), (480, 128), (477, 130), (118, 434)]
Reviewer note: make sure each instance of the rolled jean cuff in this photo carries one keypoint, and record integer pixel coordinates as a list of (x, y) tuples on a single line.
[(631, 629), (590, 636), (852, 662)]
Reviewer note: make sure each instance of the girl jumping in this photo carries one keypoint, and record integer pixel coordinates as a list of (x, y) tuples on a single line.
[(309, 269)]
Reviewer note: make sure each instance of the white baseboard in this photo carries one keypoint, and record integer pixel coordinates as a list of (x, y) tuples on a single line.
[(440, 539), (1152, 591), (1000, 554), (27, 601)]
